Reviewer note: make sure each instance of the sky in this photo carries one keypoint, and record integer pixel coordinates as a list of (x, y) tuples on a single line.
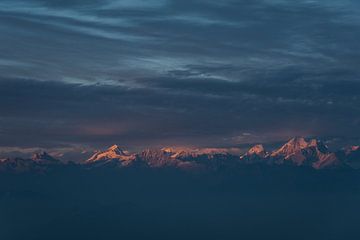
[(79, 74)]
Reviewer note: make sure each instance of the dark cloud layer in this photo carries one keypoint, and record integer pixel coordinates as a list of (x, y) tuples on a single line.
[(177, 72)]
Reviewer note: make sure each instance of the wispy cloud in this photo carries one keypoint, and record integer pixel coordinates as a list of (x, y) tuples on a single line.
[(177, 70)]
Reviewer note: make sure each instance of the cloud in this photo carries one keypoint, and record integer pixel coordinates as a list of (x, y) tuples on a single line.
[(176, 110), (96, 72)]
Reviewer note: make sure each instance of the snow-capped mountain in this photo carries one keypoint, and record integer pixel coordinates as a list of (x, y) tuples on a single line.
[(258, 150), (255, 154), (44, 158), (300, 152), (292, 146), (165, 158), (113, 154), (40, 162), (297, 152), (351, 156)]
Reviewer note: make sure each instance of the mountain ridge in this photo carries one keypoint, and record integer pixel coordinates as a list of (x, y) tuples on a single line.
[(297, 152)]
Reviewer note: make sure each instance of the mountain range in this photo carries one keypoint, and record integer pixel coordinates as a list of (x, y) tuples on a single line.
[(297, 152)]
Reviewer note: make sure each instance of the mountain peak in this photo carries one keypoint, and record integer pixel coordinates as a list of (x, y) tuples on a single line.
[(114, 147), (299, 142), (43, 157), (293, 145), (113, 152), (40, 155), (354, 148), (319, 145), (257, 150), (351, 149), (177, 149)]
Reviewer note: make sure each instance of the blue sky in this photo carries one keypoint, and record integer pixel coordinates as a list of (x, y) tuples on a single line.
[(158, 72)]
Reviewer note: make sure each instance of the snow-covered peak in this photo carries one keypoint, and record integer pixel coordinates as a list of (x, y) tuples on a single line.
[(257, 150), (43, 157), (353, 148), (117, 150), (319, 145), (114, 148), (297, 144), (292, 146), (113, 152)]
